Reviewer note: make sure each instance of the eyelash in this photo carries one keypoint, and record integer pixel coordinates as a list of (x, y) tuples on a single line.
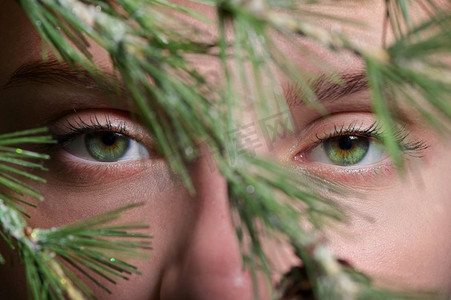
[(93, 125), (76, 127), (412, 148)]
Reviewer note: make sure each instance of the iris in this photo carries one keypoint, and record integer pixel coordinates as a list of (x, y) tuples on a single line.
[(107, 146), (346, 150)]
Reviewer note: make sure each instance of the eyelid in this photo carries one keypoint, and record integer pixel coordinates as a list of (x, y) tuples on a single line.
[(92, 120), (369, 132), (70, 168), (323, 128), (350, 123)]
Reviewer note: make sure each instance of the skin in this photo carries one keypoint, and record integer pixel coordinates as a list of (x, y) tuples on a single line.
[(402, 240)]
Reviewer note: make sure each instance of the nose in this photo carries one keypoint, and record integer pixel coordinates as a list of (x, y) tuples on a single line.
[(210, 265)]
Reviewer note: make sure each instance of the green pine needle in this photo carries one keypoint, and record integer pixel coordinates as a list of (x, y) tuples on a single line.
[(149, 50)]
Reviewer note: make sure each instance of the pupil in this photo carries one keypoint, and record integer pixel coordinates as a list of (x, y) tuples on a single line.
[(347, 142), (109, 138)]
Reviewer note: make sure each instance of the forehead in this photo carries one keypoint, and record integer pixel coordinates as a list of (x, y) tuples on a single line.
[(21, 43)]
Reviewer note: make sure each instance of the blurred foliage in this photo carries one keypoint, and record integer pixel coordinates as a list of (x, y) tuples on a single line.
[(150, 44)]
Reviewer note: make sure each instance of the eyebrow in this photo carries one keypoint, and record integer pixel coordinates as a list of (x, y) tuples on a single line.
[(328, 87), (53, 72), (325, 87)]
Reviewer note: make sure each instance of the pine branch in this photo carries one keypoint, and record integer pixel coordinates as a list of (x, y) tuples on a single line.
[(90, 243), (13, 157), (181, 111), (91, 246)]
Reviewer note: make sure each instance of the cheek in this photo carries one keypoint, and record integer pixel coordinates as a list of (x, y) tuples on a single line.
[(400, 235), (74, 195), (166, 210)]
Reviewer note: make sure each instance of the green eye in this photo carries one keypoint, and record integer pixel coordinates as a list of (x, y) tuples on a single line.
[(106, 146), (346, 150)]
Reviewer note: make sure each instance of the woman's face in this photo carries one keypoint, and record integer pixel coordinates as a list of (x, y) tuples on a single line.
[(398, 231)]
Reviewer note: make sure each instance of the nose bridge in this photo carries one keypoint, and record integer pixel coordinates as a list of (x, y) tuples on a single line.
[(210, 266)]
